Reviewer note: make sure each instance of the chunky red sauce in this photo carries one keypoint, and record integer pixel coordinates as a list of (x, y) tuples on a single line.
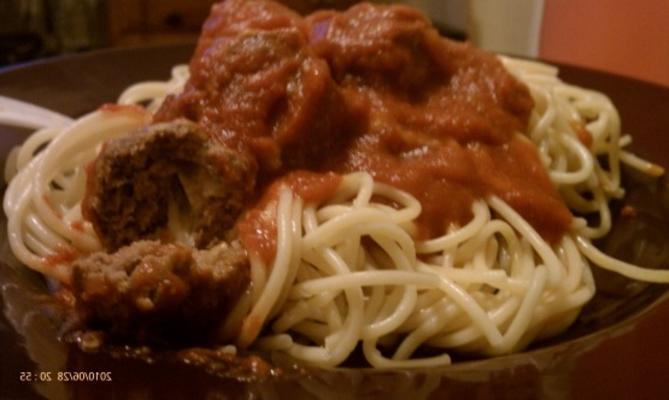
[(257, 228), (376, 89)]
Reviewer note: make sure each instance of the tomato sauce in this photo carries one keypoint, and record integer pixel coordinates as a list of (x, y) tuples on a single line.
[(257, 228), (113, 108), (376, 89), (582, 133), (63, 255), (77, 225)]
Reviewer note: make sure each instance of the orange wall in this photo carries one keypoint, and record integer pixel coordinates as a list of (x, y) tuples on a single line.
[(622, 36)]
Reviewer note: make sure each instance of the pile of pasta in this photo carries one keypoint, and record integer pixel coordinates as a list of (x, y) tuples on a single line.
[(348, 272)]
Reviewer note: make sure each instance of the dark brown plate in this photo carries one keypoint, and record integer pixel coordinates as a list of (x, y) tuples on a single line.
[(610, 350)]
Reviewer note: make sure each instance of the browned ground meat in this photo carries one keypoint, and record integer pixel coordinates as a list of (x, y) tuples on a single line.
[(157, 293), (134, 179)]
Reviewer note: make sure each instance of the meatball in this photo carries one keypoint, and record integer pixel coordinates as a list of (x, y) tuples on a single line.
[(168, 181), (155, 293), (256, 85)]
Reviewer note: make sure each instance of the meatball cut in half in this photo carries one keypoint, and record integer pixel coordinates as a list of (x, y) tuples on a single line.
[(168, 181), (155, 293)]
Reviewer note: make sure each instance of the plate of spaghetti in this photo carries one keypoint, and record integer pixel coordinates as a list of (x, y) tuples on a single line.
[(345, 191)]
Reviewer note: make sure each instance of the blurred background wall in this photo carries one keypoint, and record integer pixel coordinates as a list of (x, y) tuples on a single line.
[(622, 36), (626, 37)]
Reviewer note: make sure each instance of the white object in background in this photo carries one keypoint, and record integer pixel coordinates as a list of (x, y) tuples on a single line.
[(18, 113), (506, 26)]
